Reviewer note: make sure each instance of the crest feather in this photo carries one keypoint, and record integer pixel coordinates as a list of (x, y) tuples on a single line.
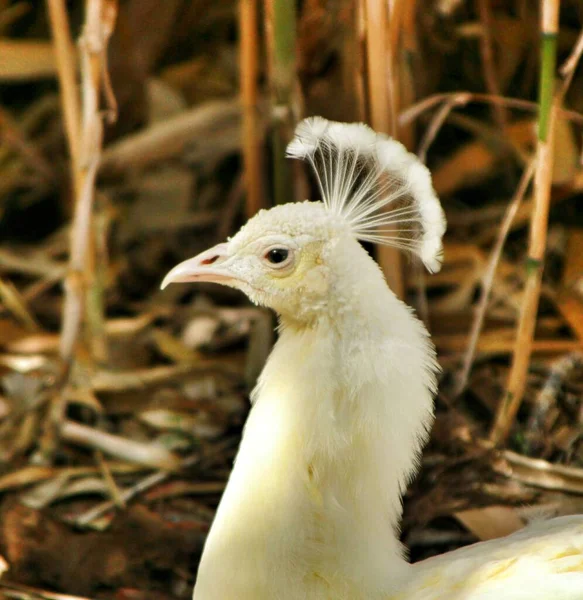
[(383, 192)]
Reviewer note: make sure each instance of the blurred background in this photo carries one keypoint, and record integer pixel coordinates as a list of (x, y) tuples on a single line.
[(135, 134)]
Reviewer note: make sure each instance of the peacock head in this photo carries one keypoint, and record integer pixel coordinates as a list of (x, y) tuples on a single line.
[(288, 257)]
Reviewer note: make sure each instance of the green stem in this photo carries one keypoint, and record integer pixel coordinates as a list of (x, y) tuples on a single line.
[(547, 82), (283, 48)]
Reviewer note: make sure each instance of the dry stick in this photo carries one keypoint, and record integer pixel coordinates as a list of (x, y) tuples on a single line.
[(548, 101), (436, 124), (93, 44), (65, 53), (487, 53), (407, 53), (488, 278), (147, 483), (360, 60), (415, 111), (12, 134), (126, 449), (395, 24), (248, 69), (96, 279), (377, 55)]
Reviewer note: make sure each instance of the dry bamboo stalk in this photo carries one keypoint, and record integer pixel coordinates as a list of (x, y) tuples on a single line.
[(396, 13), (99, 21), (376, 17), (377, 54), (66, 66), (248, 73), (360, 68), (407, 57), (96, 274), (509, 405)]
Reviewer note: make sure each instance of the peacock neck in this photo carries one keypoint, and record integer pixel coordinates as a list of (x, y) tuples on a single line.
[(338, 419)]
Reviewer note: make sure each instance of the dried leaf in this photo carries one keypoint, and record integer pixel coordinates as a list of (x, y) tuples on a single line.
[(490, 522)]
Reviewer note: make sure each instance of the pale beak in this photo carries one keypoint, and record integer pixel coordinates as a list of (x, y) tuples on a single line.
[(207, 266)]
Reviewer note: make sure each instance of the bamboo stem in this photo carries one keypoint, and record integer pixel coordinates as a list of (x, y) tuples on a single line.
[(548, 102), (378, 53), (377, 65), (66, 67), (251, 137), (280, 34), (99, 20)]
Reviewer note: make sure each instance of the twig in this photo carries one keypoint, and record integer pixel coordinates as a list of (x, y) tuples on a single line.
[(112, 486), (248, 76), (126, 495), (437, 123), (548, 101), (17, 590), (95, 299), (16, 304), (66, 66), (415, 111), (487, 53), (489, 277), (541, 473), (230, 208), (147, 483), (138, 379), (568, 68), (12, 134), (115, 445)]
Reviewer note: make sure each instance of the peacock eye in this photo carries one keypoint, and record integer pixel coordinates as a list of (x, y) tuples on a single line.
[(277, 256)]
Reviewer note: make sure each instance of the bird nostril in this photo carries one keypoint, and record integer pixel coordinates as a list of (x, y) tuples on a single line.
[(210, 261)]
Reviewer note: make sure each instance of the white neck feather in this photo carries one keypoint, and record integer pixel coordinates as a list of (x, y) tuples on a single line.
[(339, 416)]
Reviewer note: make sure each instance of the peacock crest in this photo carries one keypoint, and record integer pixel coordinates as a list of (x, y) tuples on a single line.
[(383, 192)]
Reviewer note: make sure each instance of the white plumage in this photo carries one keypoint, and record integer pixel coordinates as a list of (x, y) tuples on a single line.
[(345, 401)]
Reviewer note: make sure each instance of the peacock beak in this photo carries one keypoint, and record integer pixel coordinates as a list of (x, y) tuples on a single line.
[(207, 266)]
